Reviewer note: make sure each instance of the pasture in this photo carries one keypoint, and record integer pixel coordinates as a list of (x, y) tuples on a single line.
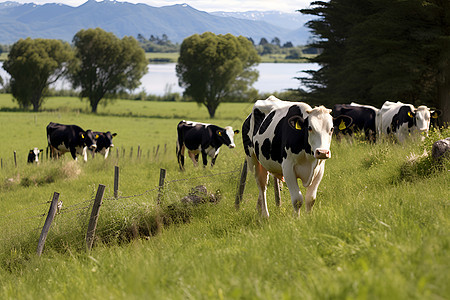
[(380, 228)]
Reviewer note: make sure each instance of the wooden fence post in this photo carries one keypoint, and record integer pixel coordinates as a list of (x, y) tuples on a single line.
[(241, 188), (131, 152), (94, 217), (116, 181), (276, 189), (15, 159), (162, 177), (48, 222), (139, 152), (157, 149)]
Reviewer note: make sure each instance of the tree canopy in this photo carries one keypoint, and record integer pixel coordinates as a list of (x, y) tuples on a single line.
[(34, 64), (211, 67), (378, 50), (106, 64)]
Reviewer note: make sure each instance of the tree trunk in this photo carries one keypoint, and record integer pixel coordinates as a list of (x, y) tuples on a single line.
[(94, 104), (444, 99), (211, 111)]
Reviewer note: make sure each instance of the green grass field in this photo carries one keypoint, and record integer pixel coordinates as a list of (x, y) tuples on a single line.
[(379, 229)]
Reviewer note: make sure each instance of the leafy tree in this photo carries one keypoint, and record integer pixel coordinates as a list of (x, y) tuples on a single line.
[(34, 64), (210, 67), (378, 50), (276, 41), (288, 45), (263, 41), (106, 65)]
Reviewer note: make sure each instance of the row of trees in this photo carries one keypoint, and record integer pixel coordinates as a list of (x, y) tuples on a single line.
[(99, 64), (378, 50), (211, 67)]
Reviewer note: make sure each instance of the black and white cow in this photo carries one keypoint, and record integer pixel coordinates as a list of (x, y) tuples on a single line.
[(104, 141), (69, 138), (290, 140), (202, 138), (33, 155), (402, 120), (363, 117)]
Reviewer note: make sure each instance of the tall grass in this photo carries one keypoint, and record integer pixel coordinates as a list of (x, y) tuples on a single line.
[(379, 229)]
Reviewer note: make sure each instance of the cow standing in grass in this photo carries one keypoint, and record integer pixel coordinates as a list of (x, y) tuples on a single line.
[(202, 138), (69, 138), (291, 140)]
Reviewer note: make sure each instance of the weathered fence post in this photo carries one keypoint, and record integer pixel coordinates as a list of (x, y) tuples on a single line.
[(139, 152), (162, 177), (276, 189), (131, 152), (157, 149), (116, 181), (46, 153), (241, 188), (117, 152), (15, 158), (94, 217), (48, 222)]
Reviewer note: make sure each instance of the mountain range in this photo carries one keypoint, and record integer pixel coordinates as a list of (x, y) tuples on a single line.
[(60, 21)]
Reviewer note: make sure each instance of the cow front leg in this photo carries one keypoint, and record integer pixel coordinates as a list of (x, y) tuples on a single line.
[(262, 176), (204, 158), (73, 152), (180, 156), (213, 161), (291, 182), (311, 191)]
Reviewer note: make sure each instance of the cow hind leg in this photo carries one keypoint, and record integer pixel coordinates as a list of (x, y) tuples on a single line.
[(194, 158), (262, 176), (204, 159), (180, 155), (213, 161), (311, 191)]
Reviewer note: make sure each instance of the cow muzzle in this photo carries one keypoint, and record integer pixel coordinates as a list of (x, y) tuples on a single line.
[(322, 154), (232, 145), (93, 147)]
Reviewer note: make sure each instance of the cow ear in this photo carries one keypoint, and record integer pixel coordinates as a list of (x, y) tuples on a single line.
[(219, 133), (114, 134), (31, 151), (342, 122), (236, 131), (410, 114), (435, 113), (296, 122), (42, 150)]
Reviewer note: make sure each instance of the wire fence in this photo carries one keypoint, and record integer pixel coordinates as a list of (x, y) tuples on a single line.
[(23, 226)]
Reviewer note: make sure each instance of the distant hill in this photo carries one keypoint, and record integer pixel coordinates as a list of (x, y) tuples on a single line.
[(59, 21)]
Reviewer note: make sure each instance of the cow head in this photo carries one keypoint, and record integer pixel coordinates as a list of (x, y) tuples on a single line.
[(422, 118), (33, 155), (226, 136), (108, 139), (319, 125), (89, 139)]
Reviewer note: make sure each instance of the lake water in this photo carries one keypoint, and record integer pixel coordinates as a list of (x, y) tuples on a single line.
[(161, 78)]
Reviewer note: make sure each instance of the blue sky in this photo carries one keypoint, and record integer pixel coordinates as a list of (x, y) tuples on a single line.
[(206, 5)]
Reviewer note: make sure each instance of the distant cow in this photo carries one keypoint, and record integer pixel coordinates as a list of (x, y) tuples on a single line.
[(69, 138), (402, 120), (363, 117), (104, 141), (290, 140), (202, 138), (33, 155)]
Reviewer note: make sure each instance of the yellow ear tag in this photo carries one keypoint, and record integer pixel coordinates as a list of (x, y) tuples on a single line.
[(409, 114), (342, 125), (96, 136), (297, 125), (82, 136), (220, 133), (435, 116)]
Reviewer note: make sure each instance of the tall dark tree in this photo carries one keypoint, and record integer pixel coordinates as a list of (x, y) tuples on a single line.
[(378, 50), (210, 67), (107, 64), (34, 64)]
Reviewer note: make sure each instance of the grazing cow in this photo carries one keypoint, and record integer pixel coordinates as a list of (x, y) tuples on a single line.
[(401, 120), (202, 138), (69, 138), (290, 140), (363, 117), (104, 141), (33, 155)]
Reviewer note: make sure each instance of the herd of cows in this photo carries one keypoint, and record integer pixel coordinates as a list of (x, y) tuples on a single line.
[(290, 140)]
